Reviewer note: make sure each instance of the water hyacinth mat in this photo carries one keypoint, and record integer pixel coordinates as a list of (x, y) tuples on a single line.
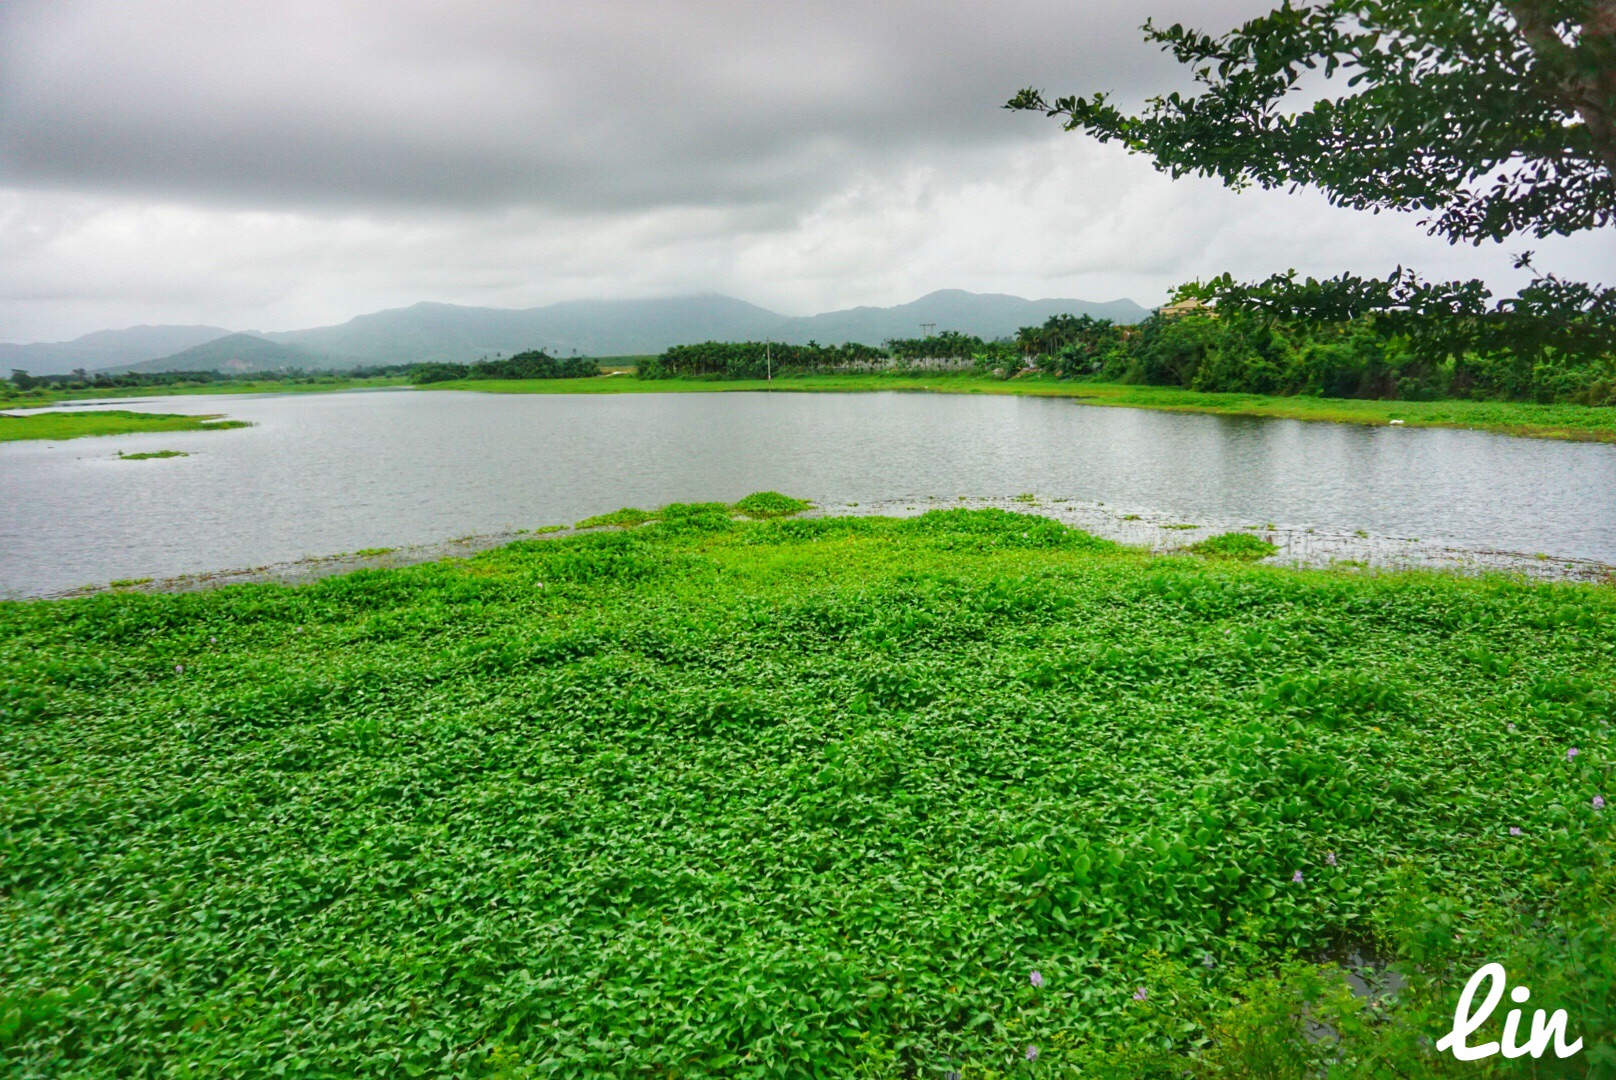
[(802, 798)]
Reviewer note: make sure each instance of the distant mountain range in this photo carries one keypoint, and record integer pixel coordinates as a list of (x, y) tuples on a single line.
[(427, 331), (240, 353), (105, 348)]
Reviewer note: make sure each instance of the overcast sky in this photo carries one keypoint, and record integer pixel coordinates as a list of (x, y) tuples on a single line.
[(276, 165)]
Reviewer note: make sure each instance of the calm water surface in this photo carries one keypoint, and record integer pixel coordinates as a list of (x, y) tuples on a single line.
[(326, 473)]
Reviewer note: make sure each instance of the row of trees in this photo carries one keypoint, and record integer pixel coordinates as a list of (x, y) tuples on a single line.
[(1063, 336), (1224, 351), (535, 364), (135, 380), (758, 360), (527, 365)]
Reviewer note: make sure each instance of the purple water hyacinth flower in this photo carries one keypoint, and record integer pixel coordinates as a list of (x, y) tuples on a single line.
[(179, 669), (1512, 727), (1140, 995), (1571, 754), (1296, 878), (1329, 857), (1209, 962), (1599, 802), (1036, 978), (1032, 1053), (1514, 830)]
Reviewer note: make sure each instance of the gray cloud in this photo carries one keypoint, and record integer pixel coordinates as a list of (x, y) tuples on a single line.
[(627, 104), (283, 164)]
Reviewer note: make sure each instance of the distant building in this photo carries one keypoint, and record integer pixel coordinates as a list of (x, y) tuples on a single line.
[(1191, 306)]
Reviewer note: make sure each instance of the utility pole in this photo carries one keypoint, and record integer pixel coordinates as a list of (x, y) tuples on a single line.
[(768, 359), (927, 329)]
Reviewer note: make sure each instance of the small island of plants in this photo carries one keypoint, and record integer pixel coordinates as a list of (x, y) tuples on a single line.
[(76, 425)]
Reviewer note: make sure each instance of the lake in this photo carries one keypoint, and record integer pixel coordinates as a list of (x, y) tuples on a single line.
[(332, 472)]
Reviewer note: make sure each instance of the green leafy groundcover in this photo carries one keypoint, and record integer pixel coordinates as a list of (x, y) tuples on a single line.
[(716, 797)]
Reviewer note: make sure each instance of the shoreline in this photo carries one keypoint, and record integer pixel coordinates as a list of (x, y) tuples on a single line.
[(1300, 547), (1565, 423)]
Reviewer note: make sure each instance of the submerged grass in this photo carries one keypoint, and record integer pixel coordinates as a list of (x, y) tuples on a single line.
[(792, 798), (75, 425), (152, 455)]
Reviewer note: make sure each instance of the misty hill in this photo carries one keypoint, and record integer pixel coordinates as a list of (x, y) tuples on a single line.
[(105, 348), (448, 332), (241, 353), (593, 327), (985, 315), (637, 327)]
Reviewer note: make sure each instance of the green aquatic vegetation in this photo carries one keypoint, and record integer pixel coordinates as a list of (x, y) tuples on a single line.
[(624, 518), (770, 504), (794, 797), (1180, 526), (1234, 545), (151, 455), (74, 425), (760, 505)]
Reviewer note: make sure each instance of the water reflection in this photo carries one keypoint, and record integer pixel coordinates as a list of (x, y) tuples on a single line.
[(322, 473)]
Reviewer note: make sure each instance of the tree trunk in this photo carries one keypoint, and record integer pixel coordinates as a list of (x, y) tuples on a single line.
[(1585, 69)]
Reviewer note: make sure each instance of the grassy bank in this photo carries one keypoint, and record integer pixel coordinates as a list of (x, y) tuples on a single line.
[(41, 397), (77, 425), (1577, 422), (707, 797), (1572, 422)]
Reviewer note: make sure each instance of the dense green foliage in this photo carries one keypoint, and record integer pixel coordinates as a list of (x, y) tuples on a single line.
[(1497, 116), (1236, 353), (1068, 345), (948, 345), (1565, 325), (74, 425), (797, 798), (528, 365), (1227, 352)]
